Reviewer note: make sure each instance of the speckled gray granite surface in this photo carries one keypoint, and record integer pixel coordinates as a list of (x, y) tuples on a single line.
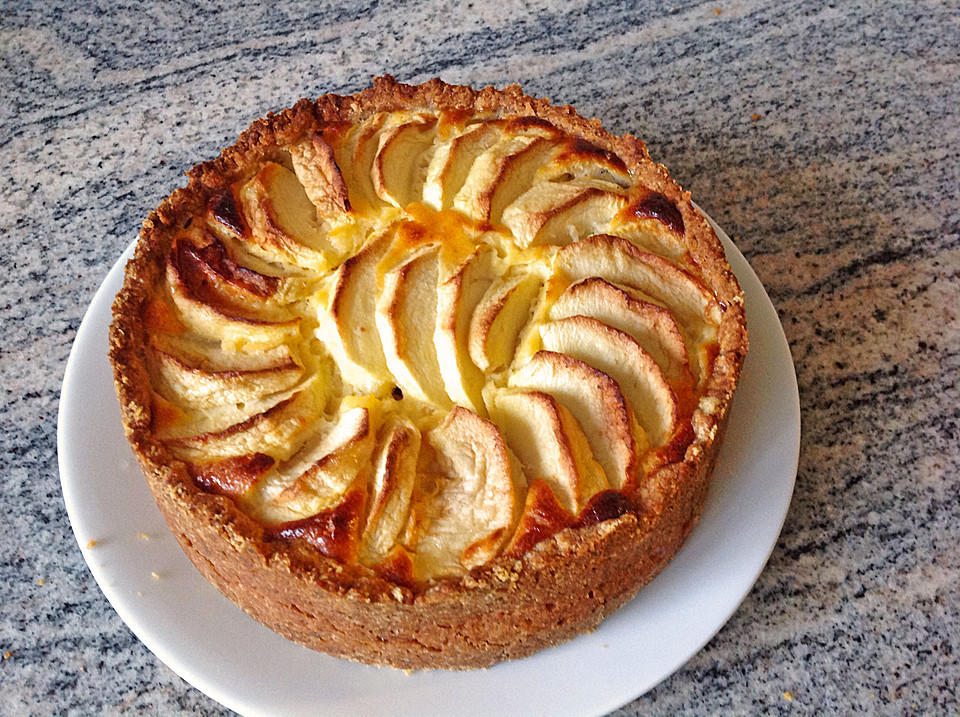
[(825, 137)]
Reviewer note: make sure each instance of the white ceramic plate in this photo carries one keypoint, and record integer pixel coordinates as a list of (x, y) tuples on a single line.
[(213, 645)]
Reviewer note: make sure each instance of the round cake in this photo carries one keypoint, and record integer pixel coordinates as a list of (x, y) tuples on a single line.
[(426, 376)]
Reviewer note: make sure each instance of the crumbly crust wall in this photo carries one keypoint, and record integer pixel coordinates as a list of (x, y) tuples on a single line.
[(508, 608)]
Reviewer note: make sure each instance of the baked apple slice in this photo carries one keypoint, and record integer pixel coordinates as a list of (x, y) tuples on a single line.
[(650, 325), (475, 503), (391, 492), (400, 164), (621, 358), (275, 425), (579, 159), (203, 263), (559, 213), (500, 175), (198, 386), (451, 163), (621, 262), (457, 299), (233, 327), (316, 169), (283, 221), (319, 475), (348, 325), (354, 150), (498, 319), (653, 221), (550, 445), (225, 220), (406, 316), (198, 352), (598, 405)]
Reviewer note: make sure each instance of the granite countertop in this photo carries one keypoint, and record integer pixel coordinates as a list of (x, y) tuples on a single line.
[(824, 137)]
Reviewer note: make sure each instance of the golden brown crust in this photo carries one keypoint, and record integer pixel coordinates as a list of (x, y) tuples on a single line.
[(509, 608)]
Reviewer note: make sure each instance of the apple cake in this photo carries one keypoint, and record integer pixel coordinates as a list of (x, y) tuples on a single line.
[(426, 376)]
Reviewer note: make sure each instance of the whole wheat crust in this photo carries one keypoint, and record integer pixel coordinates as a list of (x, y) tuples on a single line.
[(508, 609)]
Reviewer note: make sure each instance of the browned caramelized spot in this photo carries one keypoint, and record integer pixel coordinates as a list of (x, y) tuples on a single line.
[(231, 477), (674, 449), (657, 206), (484, 546), (686, 399), (333, 532), (605, 505), (160, 317), (413, 233), (451, 120), (334, 131), (543, 516), (711, 349), (581, 149), (200, 266), (163, 413), (397, 567), (224, 209)]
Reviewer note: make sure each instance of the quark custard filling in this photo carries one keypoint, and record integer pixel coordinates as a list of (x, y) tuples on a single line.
[(424, 340)]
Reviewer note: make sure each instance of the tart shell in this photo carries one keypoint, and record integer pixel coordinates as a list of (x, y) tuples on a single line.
[(507, 609)]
